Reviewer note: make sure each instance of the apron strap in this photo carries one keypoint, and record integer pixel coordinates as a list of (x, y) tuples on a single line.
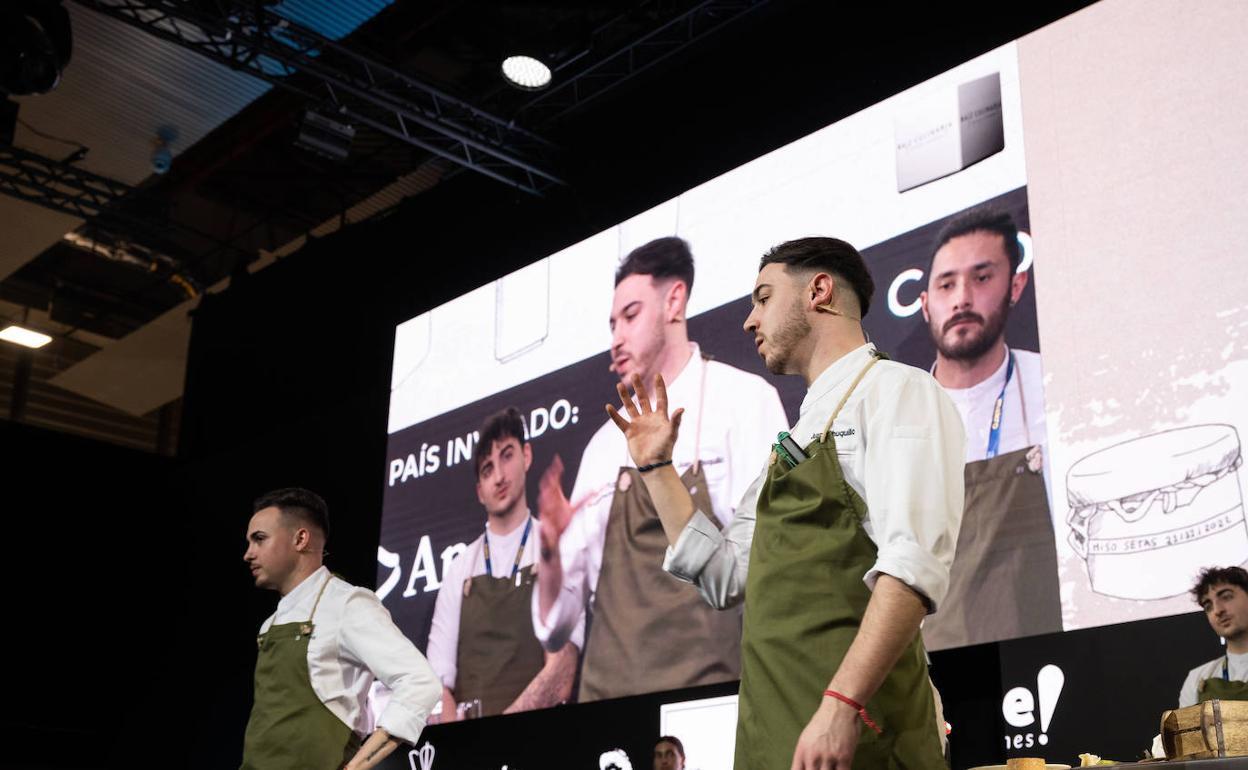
[(1022, 402), (697, 427), (875, 359), (319, 594)]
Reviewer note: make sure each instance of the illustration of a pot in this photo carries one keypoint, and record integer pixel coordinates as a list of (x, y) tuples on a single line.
[(1149, 513)]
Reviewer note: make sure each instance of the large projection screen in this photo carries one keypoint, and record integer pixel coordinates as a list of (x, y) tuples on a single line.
[(1131, 331)]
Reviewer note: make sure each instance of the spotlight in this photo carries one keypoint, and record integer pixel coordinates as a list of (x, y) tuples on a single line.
[(325, 136), (24, 337), (35, 44), (526, 73)]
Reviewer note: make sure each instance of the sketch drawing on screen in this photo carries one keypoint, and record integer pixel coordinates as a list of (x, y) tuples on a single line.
[(423, 755), (1147, 514), (521, 311), (412, 341)]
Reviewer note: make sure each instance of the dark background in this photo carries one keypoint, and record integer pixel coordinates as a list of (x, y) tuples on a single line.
[(130, 632)]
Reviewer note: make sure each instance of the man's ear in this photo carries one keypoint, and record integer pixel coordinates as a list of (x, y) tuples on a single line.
[(821, 290), (677, 301), (923, 305), (528, 456), (1017, 283), (303, 539)]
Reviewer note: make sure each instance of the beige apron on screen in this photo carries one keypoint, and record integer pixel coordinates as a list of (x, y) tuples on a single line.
[(498, 654), (1003, 582), (647, 630)]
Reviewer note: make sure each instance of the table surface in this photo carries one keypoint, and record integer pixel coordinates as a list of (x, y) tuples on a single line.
[(1227, 763)]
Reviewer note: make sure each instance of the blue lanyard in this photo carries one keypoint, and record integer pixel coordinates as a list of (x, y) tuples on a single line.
[(515, 567), (994, 433), (1226, 674)]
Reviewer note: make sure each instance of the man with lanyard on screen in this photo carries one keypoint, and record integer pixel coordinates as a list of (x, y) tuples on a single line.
[(647, 632), (1003, 583), (1222, 593), (321, 651), (840, 546), (481, 641)]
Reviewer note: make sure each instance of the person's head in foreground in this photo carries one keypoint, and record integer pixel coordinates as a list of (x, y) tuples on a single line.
[(808, 292), (1222, 592), (669, 753), (286, 538)]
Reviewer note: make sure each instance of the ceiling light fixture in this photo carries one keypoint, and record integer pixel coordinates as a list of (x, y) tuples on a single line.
[(526, 72), (24, 337)]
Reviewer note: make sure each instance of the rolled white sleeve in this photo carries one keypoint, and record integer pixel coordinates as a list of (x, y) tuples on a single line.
[(568, 612), (566, 620), (443, 647), (369, 638), (914, 450), (1188, 693), (716, 561)]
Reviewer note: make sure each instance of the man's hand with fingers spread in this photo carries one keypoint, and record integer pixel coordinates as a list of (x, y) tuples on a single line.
[(651, 434), (556, 511)]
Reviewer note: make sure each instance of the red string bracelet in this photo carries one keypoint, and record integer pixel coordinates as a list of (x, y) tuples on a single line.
[(855, 705)]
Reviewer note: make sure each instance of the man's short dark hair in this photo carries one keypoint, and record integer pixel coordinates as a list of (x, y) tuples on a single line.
[(984, 219), (302, 505), (828, 255), (672, 739), (661, 258), (497, 427), (1212, 576)]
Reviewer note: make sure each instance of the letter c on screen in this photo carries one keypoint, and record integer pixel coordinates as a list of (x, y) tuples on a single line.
[(894, 304)]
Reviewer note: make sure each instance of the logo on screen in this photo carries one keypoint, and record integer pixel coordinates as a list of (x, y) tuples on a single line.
[(1022, 708), (423, 756)]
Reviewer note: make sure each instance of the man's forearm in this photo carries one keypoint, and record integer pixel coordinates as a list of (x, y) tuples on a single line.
[(549, 582), (890, 623), (449, 711), (552, 685), (671, 500), (378, 746)]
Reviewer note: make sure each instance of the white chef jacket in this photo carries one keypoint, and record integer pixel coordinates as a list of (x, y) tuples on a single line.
[(739, 413), (1237, 670), (353, 642), (443, 649), (977, 403), (899, 441)]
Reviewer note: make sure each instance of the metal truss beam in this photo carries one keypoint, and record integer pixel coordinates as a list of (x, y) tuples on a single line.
[(58, 186), (295, 58), (67, 189), (572, 91)]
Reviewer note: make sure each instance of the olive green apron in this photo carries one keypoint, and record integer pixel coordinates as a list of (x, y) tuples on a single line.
[(648, 631), (290, 728), (1218, 688), (498, 654), (805, 599), (1003, 582)]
